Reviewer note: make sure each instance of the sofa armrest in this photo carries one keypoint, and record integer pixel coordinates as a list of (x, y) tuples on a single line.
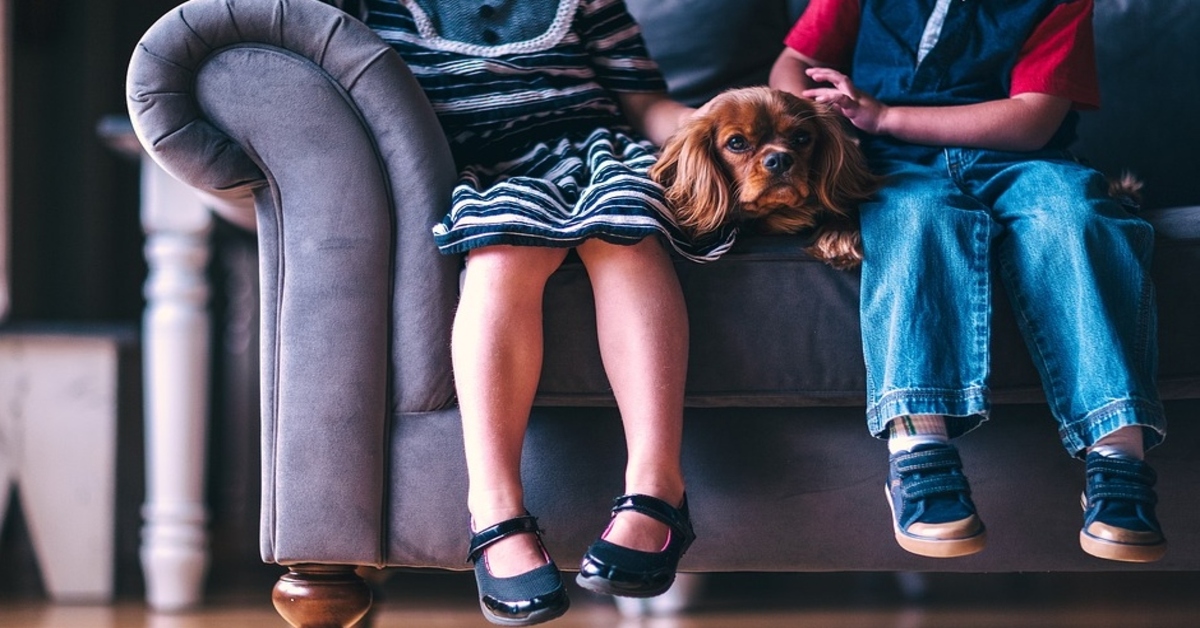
[(305, 107)]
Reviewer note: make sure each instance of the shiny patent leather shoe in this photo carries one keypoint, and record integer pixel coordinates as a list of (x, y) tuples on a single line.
[(615, 570), (526, 599)]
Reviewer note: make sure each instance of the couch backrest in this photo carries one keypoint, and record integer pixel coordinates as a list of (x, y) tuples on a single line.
[(1148, 53), (706, 46)]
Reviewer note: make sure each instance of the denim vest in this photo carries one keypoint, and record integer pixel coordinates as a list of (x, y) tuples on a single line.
[(903, 58)]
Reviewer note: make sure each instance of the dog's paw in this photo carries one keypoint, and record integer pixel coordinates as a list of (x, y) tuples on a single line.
[(840, 249)]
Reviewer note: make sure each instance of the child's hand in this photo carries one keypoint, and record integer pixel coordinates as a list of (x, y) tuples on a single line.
[(860, 109)]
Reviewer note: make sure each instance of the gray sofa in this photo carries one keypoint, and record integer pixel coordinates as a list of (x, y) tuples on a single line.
[(301, 107)]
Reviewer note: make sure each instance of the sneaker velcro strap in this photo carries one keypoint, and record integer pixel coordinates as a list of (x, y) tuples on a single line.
[(928, 460), (1128, 492), (1123, 468), (517, 525), (935, 485)]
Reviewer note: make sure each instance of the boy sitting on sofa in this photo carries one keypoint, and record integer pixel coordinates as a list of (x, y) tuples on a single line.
[(966, 107)]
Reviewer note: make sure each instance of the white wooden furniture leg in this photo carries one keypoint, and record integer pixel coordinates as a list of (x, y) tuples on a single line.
[(176, 353)]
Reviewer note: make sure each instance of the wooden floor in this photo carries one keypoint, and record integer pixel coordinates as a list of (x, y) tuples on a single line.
[(1125, 600)]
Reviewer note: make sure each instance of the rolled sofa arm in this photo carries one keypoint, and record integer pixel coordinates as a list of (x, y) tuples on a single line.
[(305, 106)]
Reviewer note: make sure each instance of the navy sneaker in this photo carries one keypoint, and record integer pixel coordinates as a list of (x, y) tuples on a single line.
[(932, 511), (1118, 504)]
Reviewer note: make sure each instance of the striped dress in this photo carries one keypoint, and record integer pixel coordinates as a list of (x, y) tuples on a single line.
[(525, 92)]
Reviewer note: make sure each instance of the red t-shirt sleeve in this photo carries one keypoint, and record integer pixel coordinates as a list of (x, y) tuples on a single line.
[(1059, 58), (827, 32)]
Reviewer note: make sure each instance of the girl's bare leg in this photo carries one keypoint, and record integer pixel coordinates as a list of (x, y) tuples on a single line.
[(642, 325), (497, 357)]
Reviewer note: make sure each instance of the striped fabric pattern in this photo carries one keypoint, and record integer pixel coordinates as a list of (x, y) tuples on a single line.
[(545, 156)]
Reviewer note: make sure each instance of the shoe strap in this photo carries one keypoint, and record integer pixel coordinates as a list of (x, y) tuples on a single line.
[(1119, 469), (1124, 492), (942, 483), (678, 519), (487, 536), (927, 460), (1121, 479)]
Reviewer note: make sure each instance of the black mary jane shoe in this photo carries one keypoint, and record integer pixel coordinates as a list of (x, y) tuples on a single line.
[(615, 570), (526, 599)]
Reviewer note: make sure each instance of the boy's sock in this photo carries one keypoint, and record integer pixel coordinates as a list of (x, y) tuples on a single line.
[(1126, 442), (906, 432)]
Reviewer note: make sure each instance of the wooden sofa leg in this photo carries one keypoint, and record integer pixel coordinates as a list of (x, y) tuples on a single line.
[(321, 596)]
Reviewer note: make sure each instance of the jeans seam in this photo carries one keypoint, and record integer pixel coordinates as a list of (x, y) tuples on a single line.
[(982, 311), (1147, 317)]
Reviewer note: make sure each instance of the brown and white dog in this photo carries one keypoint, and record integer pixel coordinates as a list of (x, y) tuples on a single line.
[(780, 163)]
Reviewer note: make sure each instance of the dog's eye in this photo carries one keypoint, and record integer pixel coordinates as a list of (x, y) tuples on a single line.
[(737, 144), (801, 138)]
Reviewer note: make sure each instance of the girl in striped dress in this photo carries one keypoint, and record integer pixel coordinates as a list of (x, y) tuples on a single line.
[(550, 108)]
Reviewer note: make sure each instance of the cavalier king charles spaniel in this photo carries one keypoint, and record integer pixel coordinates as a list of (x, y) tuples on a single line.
[(780, 163)]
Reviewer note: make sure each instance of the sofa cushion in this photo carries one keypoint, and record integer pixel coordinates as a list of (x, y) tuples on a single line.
[(768, 327)]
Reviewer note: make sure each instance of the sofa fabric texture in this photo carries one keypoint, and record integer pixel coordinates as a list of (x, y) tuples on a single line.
[(302, 106)]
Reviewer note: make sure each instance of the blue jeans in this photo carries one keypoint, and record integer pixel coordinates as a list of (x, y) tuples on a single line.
[(1075, 264)]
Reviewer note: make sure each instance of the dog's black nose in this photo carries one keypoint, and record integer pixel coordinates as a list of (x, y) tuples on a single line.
[(778, 163)]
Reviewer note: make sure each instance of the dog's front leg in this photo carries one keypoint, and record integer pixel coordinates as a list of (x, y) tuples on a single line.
[(838, 242)]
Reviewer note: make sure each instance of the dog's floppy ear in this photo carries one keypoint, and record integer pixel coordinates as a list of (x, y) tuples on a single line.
[(842, 179), (694, 178)]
